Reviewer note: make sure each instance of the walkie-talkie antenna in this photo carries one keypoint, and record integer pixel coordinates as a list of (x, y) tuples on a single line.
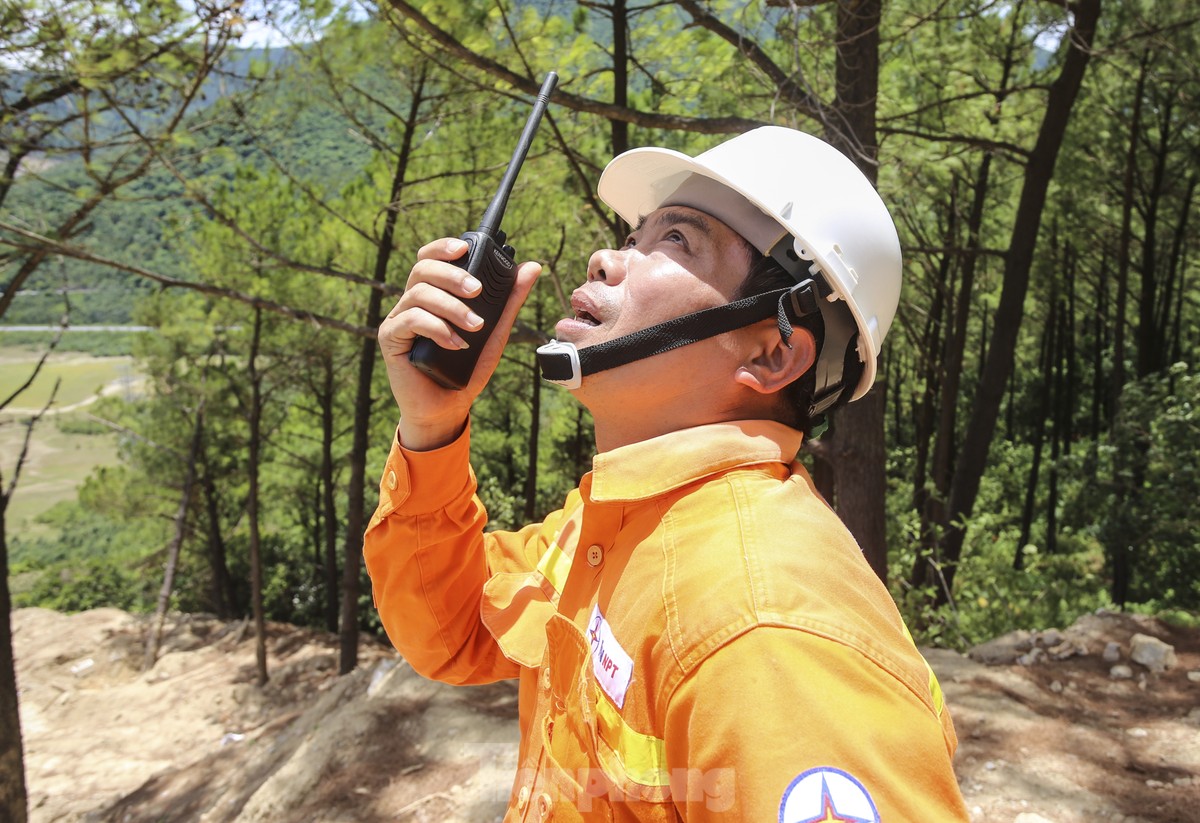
[(491, 261), (495, 210)]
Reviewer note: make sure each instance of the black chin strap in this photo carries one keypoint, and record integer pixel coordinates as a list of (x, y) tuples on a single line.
[(566, 365)]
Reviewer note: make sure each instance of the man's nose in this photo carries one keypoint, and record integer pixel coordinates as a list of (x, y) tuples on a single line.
[(607, 266)]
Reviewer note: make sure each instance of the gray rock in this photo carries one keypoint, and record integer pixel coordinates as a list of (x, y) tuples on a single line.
[(1112, 652), (1032, 657), (1002, 650), (1120, 672), (1063, 650), (1050, 638), (1152, 653)]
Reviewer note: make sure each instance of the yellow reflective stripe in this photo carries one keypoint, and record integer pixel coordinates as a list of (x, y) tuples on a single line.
[(935, 688), (643, 757), (554, 566)]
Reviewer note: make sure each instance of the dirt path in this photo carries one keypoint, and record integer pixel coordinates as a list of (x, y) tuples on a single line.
[(195, 740), (1067, 741)]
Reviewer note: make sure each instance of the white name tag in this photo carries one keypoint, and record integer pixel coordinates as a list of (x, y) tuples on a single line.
[(611, 664)]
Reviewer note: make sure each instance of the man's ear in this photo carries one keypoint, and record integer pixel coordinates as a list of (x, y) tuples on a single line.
[(771, 363)]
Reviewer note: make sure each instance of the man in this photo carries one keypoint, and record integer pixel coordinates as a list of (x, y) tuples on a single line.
[(695, 633)]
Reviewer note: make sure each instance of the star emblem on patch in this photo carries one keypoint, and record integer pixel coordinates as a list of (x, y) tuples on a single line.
[(827, 795)]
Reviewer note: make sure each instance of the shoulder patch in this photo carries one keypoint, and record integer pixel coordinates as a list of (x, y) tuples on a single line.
[(827, 795)]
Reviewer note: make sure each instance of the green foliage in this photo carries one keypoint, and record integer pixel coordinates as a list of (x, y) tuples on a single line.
[(88, 584), (99, 553), (1145, 503), (991, 596)]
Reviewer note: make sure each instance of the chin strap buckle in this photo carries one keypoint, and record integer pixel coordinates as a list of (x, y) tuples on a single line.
[(559, 363)]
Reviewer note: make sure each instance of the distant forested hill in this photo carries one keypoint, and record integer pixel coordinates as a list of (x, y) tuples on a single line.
[(148, 223)]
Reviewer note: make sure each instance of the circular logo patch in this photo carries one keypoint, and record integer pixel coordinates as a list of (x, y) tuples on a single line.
[(826, 795)]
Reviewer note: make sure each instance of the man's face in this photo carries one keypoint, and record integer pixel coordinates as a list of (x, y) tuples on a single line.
[(677, 261)]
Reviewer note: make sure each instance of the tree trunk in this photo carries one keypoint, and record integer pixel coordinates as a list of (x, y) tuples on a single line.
[(154, 640), (1070, 386), (932, 340), (356, 496), (998, 366), (1151, 331), (254, 458), (11, 165), (328, 504), (1058, 420), (856, 443), (1039, 438), (222, 591), (620, 29), (859, 479), (1124, 241), (1100, 388), (953, 356), (13, 794), (1176, 277)]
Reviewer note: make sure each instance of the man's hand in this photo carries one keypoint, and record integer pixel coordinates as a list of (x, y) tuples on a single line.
[(431, 306)]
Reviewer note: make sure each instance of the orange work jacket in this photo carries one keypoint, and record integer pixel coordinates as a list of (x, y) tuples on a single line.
[(697, 636)]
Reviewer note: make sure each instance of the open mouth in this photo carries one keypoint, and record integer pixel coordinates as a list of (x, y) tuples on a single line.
[(584, 317)]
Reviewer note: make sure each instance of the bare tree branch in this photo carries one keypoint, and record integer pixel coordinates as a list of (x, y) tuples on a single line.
[(36, 369), (1021, 155), (48, 246), (530, 86), (24, 454), (798, 96)]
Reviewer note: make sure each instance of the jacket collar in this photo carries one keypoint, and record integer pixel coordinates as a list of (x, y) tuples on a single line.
[(662, 464)]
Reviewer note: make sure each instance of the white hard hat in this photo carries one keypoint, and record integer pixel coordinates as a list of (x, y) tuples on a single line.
[(790, 183)]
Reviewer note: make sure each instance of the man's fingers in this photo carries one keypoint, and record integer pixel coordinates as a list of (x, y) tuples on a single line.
[(443, 304), (445, 276), (418, 322), (428, 311), (527, 275), (444, 248)]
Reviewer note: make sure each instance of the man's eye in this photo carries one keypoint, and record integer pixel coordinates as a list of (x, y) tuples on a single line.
[(629, 242)]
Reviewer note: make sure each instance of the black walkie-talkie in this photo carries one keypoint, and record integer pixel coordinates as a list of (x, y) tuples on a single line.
[(490, 261)]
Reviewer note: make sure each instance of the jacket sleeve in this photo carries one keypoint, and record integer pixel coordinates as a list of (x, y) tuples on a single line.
[(428, 558), (778, 723)]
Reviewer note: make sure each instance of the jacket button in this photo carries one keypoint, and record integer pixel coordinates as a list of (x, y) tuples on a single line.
[(391, 480), (546, 678), (544, 806), (595, 555), (522, 799)]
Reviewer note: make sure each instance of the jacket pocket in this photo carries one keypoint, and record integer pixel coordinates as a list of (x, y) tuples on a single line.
[(616, 768), (633, 764)]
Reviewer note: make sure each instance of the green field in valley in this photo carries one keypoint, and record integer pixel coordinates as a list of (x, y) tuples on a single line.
[(57, 461)]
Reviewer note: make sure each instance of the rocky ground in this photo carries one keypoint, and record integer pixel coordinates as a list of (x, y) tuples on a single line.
[(1051, 727)]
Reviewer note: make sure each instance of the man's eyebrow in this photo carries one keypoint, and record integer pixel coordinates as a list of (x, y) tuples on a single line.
[(687, 218)]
